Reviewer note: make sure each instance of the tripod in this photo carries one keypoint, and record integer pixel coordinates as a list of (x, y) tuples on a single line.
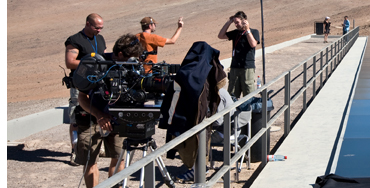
[(132, 144)]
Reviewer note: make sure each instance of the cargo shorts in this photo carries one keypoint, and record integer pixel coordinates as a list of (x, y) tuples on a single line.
[(113, 144), (241, 80)]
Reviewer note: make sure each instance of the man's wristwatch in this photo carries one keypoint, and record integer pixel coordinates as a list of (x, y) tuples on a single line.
[(248, 31)]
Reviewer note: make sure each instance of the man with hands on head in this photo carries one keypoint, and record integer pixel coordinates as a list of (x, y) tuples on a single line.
[(244, 40)]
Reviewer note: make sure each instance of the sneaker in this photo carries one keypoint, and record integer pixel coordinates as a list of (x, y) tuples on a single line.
[(73, 157), (188, 175)]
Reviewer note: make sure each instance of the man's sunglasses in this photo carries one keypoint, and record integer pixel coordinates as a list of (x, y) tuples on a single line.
[(97, 28)]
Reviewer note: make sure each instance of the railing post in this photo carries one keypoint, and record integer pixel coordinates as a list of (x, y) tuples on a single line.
[(338, 58), (264, 125), (200, 163), (331, 66), (341, 49), (314, 77), (335, 55), (305, 86), (321, 60), (326, 63), (344, 49), (331, 52), (287, 103), (227, 149), (149, 175)]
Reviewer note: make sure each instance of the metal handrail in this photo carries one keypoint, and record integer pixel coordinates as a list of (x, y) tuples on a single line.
[(224, 171)]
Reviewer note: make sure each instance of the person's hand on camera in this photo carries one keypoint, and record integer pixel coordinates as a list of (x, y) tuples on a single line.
[(104, 120), (180, 22)]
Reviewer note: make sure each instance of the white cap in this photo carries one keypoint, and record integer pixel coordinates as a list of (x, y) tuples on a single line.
[(327, 17)]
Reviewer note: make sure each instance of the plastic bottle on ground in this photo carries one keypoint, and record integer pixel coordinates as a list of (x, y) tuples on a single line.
[(276, 157), (258, 82)]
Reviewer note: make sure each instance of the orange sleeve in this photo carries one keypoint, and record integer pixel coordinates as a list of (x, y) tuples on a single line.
[(158, 40)]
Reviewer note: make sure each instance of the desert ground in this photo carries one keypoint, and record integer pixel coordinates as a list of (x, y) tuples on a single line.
[(35, 49)]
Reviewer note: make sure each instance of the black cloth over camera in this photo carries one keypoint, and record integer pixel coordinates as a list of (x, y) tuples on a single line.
[(197, 83)]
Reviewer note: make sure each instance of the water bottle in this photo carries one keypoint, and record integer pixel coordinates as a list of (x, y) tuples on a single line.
[(258, 82), (74, 137), (276, 157)]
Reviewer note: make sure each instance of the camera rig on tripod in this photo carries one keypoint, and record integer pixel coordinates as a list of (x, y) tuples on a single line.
[(127, 88)]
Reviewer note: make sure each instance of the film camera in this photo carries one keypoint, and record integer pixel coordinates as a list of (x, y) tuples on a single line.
[(127, 88)]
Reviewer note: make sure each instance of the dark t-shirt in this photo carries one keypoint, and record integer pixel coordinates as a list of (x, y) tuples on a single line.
[(327, 25), (86, 45), (244, 54)]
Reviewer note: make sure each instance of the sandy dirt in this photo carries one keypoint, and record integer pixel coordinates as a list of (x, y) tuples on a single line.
[(35, 49)]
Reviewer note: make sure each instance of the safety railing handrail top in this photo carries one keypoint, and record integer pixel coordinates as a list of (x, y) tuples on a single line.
[(317, 53)]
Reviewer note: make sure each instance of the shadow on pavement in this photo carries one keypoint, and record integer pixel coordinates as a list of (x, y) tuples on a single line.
[(40, 155)]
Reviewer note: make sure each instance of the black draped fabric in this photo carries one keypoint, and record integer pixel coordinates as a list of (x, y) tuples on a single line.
[(335, 181), (198, 80)]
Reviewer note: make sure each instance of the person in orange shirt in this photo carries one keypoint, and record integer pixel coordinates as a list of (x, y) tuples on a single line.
[(150, 41)]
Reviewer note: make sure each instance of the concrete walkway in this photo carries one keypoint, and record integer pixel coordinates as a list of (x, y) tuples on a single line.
[(312, 142)]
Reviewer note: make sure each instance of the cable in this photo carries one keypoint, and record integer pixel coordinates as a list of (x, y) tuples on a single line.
[(89, 77), (120, 93)]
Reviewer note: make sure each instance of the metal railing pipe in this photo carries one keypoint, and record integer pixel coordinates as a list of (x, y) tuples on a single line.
[(313, 76), (287, 103), (264, 125), (304, 101), (227, 154), (200, 168), (149, 175), (321, 59), (326, 63)]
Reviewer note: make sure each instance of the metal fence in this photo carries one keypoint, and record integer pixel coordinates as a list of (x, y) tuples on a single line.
[(321, 65)]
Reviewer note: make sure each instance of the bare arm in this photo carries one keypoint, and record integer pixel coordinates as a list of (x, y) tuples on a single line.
[(71, 57), (102, 118), (177, 33), (251, 40), (222, 33)]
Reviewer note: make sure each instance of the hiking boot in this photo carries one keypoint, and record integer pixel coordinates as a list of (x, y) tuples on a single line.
[(72, 161)]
